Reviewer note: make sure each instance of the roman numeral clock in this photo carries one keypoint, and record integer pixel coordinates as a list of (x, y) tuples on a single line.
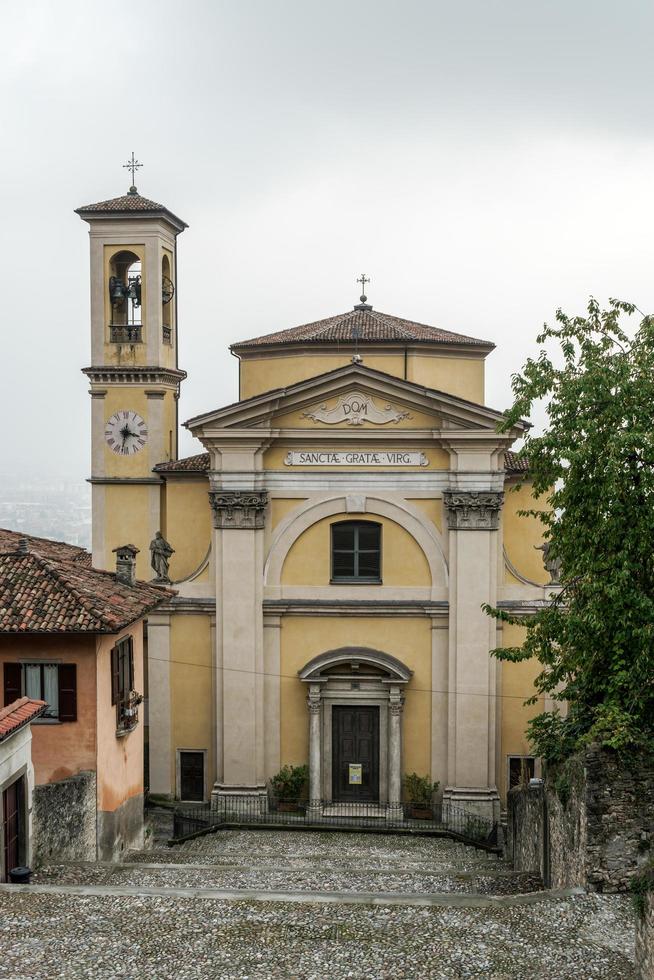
[(126, 433)]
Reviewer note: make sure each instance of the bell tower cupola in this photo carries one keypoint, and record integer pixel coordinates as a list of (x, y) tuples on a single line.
[(134, 373)]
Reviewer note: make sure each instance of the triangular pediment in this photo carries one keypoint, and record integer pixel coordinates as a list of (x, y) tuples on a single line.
[(352, 397)]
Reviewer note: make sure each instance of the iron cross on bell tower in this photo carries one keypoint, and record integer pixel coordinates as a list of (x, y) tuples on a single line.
[(132, 165)]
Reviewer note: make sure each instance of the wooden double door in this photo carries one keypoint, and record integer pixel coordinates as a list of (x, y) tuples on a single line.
[(13, 827), (355, 753)]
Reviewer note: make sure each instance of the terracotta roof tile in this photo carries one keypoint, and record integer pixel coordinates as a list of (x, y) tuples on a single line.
[(372, 327), (45, 592), (513, 463), (58, 550), (190, 464), (18, 714), (128, 204)]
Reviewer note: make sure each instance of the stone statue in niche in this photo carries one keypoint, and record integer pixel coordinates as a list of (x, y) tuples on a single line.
[(160, 552), (552, 565)]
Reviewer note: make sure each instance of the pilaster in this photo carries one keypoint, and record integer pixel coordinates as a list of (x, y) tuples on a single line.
[(239, 519), (162, 779), (473, 517)]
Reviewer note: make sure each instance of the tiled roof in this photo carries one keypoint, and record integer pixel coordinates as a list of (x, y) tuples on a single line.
[(42, 593), (18, 714), (201, 463), (190, 464), (513, 463), (55, 550), (371, 326), (128, 204)]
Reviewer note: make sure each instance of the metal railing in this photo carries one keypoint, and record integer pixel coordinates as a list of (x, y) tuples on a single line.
[(248, 811), (125, 333)]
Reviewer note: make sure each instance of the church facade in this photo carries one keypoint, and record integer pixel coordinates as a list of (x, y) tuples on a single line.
[(331, 543)]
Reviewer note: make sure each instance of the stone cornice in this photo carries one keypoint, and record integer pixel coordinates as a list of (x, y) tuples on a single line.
[(473, 510), (238, 509), (108, 374), (355, 607)]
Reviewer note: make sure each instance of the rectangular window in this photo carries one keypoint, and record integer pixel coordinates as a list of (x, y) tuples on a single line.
[(356, 552), (56, 684), (122, 685), (521, 769)]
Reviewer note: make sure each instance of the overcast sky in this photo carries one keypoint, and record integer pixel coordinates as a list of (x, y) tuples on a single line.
[(483, 162)]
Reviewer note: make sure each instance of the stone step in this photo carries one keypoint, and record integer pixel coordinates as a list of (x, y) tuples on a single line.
[(413, 881)]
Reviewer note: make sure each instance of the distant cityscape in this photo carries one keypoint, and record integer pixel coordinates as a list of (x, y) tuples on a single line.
[(54, 508)]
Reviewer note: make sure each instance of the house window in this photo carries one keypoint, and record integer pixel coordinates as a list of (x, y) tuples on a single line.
[(356, 551), (56, 684), (521, 769), (122, 686)]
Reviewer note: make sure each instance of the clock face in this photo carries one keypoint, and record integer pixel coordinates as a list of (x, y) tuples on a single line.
[(126, 433)]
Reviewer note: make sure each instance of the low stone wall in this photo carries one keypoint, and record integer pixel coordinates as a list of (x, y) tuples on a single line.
[(590, 825), (645, 941), (63, 820), (526, 828), (121, 829)]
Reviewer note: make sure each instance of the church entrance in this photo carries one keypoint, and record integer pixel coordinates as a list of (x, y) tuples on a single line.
[(355, 753)]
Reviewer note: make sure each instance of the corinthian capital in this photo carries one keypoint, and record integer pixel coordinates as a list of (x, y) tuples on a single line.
[(242, 509), (473, 510)]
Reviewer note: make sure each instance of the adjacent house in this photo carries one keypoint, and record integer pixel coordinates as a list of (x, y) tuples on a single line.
[(72, 638), (17, 782)]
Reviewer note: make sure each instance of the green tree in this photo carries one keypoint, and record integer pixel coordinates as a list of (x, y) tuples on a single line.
[(593, 478)]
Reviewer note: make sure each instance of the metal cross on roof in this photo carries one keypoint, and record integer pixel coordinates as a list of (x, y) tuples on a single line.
[(363, 279), (132, 165)]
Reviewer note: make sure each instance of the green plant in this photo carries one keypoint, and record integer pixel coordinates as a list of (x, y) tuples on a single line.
[(592, 473), (289, 782), (419, 789)]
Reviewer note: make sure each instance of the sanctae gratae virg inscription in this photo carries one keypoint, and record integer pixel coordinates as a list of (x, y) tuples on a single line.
[(355, 457)]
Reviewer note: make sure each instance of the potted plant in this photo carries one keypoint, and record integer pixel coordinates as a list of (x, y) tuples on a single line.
[(287, 786), (419, 791)]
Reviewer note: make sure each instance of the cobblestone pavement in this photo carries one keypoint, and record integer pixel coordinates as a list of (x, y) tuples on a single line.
[(156, 937)]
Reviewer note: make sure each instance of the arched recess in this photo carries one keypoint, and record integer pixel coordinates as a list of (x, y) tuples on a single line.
[(312, 511), (317, 670), (125, 272)]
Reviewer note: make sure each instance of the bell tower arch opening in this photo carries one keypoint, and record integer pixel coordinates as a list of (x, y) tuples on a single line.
[(125, 298)]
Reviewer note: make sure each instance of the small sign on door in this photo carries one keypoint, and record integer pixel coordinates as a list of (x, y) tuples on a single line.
[(355, 774)]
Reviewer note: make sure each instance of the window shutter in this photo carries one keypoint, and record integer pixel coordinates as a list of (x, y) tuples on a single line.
[(115, 674), (130, 650), (68, 692), (12, 675)]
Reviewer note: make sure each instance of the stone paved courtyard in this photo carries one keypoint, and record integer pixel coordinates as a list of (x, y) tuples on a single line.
[(147, 931)]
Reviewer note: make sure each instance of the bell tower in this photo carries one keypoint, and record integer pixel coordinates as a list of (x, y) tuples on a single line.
[(134, 374)]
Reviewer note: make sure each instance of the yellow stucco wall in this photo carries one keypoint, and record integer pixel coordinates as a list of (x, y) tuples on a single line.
[(191, 687), (432, 509), (263, 373), (517, 684), (403, 560), (460, 376), (463, 376), (127, 522), (407, 639), (188, 524), (521, 534), (281, 506)]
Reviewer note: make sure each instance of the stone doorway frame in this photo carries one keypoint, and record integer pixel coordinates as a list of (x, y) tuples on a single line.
[(382, 688)]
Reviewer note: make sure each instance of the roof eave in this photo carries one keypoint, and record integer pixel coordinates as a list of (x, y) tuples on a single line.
[(89, 215)]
